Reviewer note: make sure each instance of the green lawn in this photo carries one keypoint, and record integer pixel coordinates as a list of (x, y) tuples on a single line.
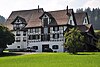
[(52, 60), (96, 30)]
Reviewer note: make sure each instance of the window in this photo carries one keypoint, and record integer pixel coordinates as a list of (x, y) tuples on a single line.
[(24, 33), (24, 39), (37, 36), (36, 30), (32, 37), (35, 47), (16, 26), (31, 30), (17, 33), (18, 46), (22, 26), (45, 37), (49, 21), (55, 28), (18, 21), (85, 21), (70, 22), (45, 20), (55, 36), (55, 47), (29, 37), (17, 39), (45, 30)]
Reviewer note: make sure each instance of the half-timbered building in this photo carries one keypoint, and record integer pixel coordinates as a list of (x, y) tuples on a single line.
[(42, 30)]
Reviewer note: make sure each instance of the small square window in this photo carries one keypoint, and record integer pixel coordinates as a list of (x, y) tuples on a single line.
[(85, 21), (55, 28), (55, 47), (18, 39), (36, 30), (55, 36), (17, 33), (24, 33), (24, 39), (31, 30), (18, 46), (70, 22)]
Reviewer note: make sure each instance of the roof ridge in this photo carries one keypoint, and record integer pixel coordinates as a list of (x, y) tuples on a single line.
[(27, 10), (59, 10)]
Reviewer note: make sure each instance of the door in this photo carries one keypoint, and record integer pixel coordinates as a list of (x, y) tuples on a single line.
[(45, 47)]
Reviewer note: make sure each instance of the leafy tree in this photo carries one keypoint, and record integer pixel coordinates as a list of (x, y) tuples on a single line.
[(73, 40), (98, 42), (2, 19), (6, 37)]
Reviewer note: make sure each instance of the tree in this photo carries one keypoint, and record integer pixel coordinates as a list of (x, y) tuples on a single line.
[(98, 42), (93, 14), (6, 37), (73, 40), (79, 10), (2, 19)]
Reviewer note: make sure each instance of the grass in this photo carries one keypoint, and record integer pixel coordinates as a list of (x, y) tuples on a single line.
[(96, 30), (52, 60)]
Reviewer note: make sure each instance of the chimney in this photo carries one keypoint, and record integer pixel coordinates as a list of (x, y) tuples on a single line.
[(38, 8), (67, 10)]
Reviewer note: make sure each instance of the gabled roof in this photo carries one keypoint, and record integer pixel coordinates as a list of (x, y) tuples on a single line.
[(47, 13), (61, 16), (19, 18), (80, 17), (31, 17), (84, 28)]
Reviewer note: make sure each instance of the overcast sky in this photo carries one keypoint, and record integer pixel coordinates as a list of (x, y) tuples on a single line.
[(7, 6)]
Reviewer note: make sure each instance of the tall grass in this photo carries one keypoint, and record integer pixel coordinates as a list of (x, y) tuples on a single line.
[(52, 60)]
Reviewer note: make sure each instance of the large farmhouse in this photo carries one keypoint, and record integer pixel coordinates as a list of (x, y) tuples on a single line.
[(42, 30)]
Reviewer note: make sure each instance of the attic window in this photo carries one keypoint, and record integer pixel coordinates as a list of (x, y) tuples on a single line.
[(45, 16), (18, 20), (85, 21), (70, 22)]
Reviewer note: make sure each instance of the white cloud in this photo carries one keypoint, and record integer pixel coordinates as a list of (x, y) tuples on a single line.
[(7, 6), (92, 4), (53, 4)]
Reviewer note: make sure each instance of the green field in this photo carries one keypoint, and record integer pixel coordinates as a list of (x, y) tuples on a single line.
[(52, 60), (96, 30)]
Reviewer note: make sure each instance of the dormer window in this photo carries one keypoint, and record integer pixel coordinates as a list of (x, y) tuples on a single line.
[(85, 21), (19, 23), (45, 22), (46, 19), (17, 20)]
